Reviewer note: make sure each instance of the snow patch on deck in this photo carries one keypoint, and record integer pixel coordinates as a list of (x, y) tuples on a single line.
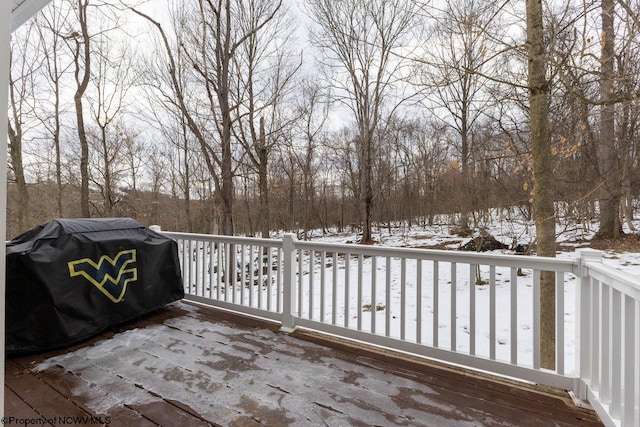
[(226, 373)]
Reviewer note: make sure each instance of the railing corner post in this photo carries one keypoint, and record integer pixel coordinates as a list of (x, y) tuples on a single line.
[(289, 283), (583, 319), (585, 255), (155, 228)]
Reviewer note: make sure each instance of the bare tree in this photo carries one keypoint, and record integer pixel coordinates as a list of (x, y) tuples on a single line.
[(21, 105), (543, 173), (264, 80), (211, 39), (80, 44), (362, 42), (219, 38), (610, 226), (431, 160), (167, 89), (112, 78), (598, 73), (629, 115), (215, 45), (313, 113), (135, 152), (157, 169), (464, 37), (50, 23), (169, 81), (342, 153), (184, 148)]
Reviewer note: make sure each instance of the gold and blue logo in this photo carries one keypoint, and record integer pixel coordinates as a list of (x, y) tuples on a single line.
[(110, 275)]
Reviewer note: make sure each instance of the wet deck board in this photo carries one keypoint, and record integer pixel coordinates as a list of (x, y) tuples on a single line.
[(188, 365)]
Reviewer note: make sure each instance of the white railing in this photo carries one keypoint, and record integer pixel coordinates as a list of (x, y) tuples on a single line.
[(609, 341), (477, 310)]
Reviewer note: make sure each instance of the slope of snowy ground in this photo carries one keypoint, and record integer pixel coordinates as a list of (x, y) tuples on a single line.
[(508, 231)]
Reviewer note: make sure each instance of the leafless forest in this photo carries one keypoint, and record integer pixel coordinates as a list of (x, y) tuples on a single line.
[(247, 116)]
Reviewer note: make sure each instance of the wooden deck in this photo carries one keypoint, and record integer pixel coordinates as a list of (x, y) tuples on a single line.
[(186, 365)]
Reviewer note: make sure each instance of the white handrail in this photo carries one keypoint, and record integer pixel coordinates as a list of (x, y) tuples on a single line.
[(616, 279), (609, 356), (399, 298)]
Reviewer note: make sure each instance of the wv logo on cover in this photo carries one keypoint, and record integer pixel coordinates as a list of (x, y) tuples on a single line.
[(110, 275)]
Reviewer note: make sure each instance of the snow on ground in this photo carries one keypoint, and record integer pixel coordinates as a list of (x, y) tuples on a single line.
[(569, 236), (440, 235)]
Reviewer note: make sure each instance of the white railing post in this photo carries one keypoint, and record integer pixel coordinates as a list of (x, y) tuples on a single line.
[(583, 320), (288, 283), (155, 228)]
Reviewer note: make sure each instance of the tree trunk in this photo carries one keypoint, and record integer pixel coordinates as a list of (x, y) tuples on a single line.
[(627, 131), (292, 220), (627, 199), (15, 151), (263, 159), (610, 226), (226, 192), (185, 180), (367, 186), (224, 53), (82, 83), (308, 187), (107, 196), (56, 127), (56, 142), (84, 160), (543, 175), (466, 176)]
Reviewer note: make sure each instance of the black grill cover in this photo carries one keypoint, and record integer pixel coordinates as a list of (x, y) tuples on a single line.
[(69, 279)]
